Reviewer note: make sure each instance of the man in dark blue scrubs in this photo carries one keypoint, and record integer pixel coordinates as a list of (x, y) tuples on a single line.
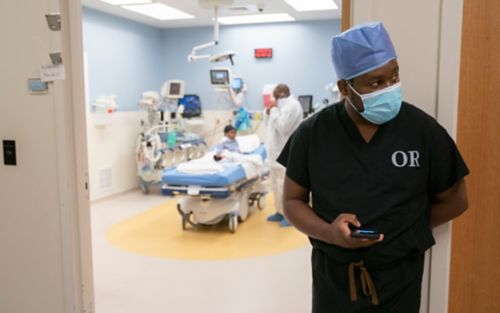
[(371, 161)]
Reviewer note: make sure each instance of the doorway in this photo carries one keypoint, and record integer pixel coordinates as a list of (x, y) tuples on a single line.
[(122, 275)]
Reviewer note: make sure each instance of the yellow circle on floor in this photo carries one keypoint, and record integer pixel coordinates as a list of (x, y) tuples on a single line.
[(158, 232)]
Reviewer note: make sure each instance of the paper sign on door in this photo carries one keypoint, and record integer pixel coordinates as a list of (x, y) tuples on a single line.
[(53, 72)]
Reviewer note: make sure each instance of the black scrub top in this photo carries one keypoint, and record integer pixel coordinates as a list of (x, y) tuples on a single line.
[(388, 182)]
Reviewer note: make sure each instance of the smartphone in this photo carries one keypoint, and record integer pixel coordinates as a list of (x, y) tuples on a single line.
[(366, 233)]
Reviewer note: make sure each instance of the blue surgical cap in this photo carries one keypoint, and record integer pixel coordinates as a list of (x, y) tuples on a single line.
[(361, 49)]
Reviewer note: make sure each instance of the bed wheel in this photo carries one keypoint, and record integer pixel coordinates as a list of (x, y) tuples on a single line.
[(144, 187), (261, 202), (184, 217), (233, 223), (184, 222)]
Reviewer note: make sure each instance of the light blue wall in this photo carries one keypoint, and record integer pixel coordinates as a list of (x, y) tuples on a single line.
[(127, 58), (300, 58), (124, 58)]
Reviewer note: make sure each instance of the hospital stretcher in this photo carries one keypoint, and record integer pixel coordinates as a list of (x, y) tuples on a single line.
[(208, 199)]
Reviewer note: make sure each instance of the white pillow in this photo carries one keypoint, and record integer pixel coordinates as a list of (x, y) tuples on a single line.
[(248, 143)]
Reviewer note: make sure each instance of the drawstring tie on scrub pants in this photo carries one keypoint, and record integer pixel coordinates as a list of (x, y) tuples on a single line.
[(366, 282)]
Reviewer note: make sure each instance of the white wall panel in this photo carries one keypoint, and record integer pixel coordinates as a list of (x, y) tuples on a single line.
[(31, 265), (426, 35), (414, 28)]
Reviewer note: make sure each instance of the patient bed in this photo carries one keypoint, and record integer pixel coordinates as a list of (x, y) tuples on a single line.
[(228, 194)]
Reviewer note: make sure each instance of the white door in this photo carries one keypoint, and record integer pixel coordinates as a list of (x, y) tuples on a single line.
[(40, 263)]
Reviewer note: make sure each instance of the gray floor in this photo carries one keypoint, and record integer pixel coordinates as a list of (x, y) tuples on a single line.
[(129, 283)]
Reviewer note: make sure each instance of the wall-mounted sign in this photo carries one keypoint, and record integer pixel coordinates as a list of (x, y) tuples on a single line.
[(263, 53), (52, 72), (37, 86)]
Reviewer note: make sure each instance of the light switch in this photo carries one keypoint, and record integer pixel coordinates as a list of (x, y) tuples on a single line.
[(9, 152)]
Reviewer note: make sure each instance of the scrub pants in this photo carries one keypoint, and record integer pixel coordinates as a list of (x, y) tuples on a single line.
[(278, 172), (398, 286)]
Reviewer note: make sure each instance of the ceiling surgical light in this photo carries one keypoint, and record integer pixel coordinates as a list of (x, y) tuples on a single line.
[(228, 55)]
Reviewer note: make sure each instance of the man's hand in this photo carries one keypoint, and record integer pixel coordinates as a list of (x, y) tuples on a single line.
[(302, 216), (338, 233), (271, 104), (268, 110)]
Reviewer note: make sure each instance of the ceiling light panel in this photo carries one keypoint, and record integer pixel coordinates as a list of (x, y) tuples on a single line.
[(126, 2), (256, 18), (159, 11), (312, 5)]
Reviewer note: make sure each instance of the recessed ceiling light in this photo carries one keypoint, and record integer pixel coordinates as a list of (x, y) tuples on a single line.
[(312, 5), (256, 18), (125, 2), (159, 11)]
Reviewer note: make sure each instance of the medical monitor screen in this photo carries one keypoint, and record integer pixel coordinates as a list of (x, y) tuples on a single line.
[(237, 84), (175, 89), (306, 103), (219, 77)]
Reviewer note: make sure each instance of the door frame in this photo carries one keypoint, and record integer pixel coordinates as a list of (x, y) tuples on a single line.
[(73, 156), (79, 252), (447, 116)]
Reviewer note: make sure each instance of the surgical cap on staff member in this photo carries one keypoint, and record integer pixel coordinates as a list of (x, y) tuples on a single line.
[(361, 49)]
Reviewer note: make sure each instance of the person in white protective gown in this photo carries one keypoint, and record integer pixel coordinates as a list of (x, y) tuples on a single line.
[(281, 119)]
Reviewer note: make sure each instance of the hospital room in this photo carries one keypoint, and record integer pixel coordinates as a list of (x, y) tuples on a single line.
[(170, 224), (275, 156)]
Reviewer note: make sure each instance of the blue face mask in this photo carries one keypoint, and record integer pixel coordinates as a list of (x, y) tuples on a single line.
[(380, 106)]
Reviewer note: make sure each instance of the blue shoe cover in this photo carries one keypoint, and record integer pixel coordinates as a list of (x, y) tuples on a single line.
[(285, 223), (276, 217)]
